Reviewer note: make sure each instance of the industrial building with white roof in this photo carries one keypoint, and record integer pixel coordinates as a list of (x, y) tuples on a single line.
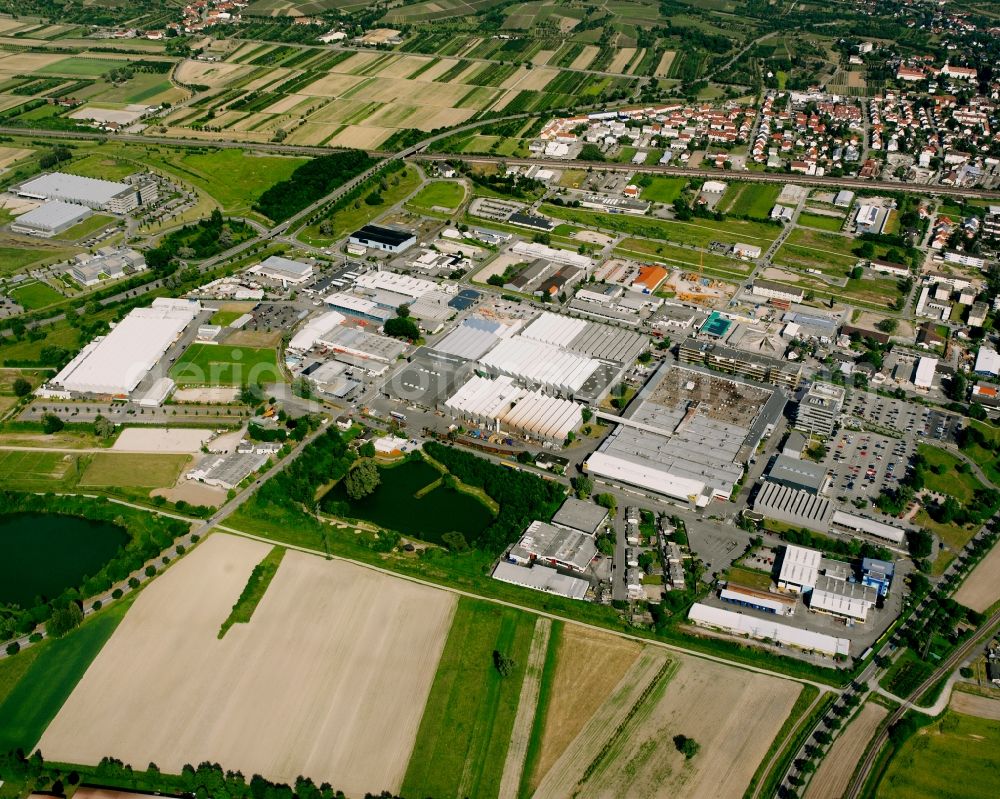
[(502, 404), (113, 365), (50, 218), (688, 434), (101, 195), (799, 569), (285, 270), (555, 546)]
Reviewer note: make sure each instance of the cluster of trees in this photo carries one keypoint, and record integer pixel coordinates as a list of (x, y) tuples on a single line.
[(688, 747), (835, 546), (371, 196), (53, 157), (522, 497), (401, 325), (325, 459), (501, 181), (503, 663), (148, 535), (310, 182), (362, 479), (201, 240), (204, 780)]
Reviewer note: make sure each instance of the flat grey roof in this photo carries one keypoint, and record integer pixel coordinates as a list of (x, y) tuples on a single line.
[(794, 470), (580, 515), (53, 214), (57, 185)]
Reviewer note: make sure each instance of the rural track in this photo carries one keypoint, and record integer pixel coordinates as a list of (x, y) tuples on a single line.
[(863, 771), (527, 706)]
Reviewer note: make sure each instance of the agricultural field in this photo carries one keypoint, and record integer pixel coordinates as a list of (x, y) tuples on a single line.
[(36, 683), (953, 757), (835, 771), (465, 731), (222, 365), (733, 715), (981, 589), (362, 99), (753, 200), (301, 710)]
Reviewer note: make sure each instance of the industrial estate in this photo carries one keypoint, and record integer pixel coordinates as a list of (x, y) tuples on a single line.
[(533, 399)]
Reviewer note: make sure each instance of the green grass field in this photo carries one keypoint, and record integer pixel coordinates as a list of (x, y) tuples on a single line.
[(225, 318), (78, 66), (685, 258), (698, 232), (87, 226), (954, 758), (663, 190), (221, 365), (960, 486), (444, 195), (750, 199), (28, 470), (40, 691), (35, 295), (133, 470), (821, 221), (465, 730), (14, 259)]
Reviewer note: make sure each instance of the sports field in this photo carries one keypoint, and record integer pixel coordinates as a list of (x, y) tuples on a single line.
[(35, 295), (342, 705), (955, 757), (222, 365), (26, 470)]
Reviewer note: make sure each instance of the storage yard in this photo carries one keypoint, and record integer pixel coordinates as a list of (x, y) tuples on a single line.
[(295, 711)]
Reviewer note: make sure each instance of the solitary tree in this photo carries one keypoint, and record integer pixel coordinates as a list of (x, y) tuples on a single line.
[(504, 664), (362, 480), (686, 746), (21, 387), (52, 424)]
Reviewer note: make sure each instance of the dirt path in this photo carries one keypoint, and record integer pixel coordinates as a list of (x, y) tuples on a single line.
[(526, 707), (834, 774), (973, 705)]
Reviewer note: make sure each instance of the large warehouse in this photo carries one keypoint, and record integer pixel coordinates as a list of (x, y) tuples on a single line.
[(544, 365), (115, 364), (386, 239), (688, 434), (603, 342), (101, 195), (500, 404), (50, 218)]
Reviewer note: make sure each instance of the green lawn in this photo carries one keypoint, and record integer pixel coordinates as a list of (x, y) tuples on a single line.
[(749, 578), (87, 226), (750, 199), (986, 458), (960, 486), (99, 165), (443, 194), (221, 365), (954, 758), (35, 295), (225, 318), (662, 189), (41, 690), (465, 730), (820, 221), (27, 470)]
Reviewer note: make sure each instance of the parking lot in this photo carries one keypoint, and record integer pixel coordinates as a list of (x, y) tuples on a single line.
[(862, 464), (905, 418)]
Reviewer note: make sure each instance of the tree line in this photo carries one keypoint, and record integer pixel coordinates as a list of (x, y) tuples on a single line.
[(310, 182)]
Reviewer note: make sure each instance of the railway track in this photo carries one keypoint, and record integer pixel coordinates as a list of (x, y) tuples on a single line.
[(863, 771)]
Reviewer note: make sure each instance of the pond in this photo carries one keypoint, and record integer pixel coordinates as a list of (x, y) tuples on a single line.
[(393, 505), (43, 554)]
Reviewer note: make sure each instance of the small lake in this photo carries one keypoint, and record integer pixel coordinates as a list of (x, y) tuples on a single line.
[(43, 554), (393, 505)]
